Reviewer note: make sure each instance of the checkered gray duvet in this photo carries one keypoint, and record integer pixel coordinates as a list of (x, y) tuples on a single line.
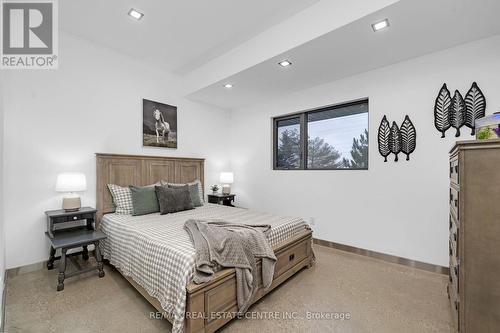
[(157, 253)]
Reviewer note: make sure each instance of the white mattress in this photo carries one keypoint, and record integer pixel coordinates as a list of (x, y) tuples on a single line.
[(157, 253)]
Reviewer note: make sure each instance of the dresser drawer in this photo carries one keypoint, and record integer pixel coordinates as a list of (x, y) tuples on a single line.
[(455, 282), (454, 223), (455, 201), (455, 308), (75, 217), (455, 276), (454, 240), (452, 248), (454, 170)]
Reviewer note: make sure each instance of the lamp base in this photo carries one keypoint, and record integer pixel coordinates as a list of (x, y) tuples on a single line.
[(71, 203), (226, 189)]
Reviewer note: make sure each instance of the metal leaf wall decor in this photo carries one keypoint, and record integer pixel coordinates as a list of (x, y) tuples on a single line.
[(384, 132), (457, 112), (395, 140), (475, 103), (441, 110), (408, 137)]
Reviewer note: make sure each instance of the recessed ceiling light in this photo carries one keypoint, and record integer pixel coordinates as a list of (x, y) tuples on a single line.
[(380, 25), (228, 86), (135, 14), (284, 63)]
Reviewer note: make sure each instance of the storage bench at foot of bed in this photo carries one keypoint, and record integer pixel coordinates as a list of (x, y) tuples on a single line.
[(211, 305)]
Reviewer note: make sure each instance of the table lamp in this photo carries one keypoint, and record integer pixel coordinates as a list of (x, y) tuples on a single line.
[(71, 182), (226, 178)]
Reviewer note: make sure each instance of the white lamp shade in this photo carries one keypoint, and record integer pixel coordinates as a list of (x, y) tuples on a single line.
[(226, 177), (71, 182)]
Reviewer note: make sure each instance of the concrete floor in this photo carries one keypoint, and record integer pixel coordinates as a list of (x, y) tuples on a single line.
[(378, 296)]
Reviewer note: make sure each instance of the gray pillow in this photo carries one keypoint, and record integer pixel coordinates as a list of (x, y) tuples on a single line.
[(193, 192), (197, 181), (144, 200), (173, 200)]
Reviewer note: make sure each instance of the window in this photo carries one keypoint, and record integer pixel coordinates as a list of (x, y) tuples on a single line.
[(337, 138), (288, 155)]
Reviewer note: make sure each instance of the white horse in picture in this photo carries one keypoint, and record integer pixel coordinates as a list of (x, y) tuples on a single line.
[(161, 126)]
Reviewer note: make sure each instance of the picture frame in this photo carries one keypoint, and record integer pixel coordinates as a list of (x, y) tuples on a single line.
[(159, 124)]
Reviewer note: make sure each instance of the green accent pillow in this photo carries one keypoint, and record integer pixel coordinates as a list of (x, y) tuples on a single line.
[(144, 200)]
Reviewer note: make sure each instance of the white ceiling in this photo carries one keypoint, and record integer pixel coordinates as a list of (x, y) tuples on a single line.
[(417, 28), (178, 35)]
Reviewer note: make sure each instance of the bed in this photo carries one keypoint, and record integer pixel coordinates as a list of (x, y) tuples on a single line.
[(154, 253)]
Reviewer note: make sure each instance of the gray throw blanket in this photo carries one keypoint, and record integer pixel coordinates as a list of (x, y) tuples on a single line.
[(222, 244)]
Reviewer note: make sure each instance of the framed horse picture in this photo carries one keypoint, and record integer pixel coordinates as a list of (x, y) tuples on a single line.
[(159, 124)]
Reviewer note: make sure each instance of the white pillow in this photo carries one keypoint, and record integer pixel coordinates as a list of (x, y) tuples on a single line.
[(122, 198)]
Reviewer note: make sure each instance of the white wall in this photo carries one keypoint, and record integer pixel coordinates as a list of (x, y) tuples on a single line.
[(396, 208), (2, 239), (58, 119)]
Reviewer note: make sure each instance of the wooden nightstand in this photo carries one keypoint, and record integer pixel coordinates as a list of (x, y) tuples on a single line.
[(222, 199), (74, 236)]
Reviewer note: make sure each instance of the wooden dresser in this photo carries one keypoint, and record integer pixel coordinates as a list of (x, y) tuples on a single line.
[(474, 245)]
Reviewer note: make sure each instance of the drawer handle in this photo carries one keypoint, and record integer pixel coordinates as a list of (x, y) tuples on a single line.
[(456, 203), (291, 257)]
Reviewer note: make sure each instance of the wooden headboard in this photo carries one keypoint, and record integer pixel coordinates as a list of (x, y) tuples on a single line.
[(141, 170)]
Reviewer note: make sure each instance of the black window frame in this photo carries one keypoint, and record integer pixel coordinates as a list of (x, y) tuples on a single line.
[(303, 116)]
